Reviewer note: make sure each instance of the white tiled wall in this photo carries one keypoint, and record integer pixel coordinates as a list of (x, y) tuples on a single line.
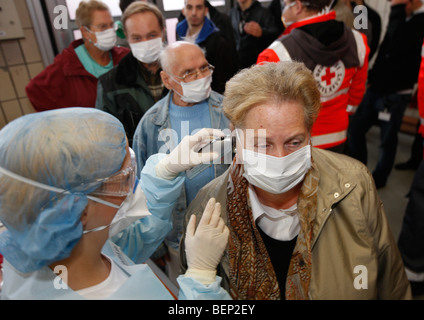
[(20, 60)]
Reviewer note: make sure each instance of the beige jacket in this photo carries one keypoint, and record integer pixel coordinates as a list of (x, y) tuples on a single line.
[(354, 254)]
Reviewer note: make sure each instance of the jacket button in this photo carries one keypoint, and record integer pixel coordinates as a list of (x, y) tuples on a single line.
[(336, 195), (347, 185)]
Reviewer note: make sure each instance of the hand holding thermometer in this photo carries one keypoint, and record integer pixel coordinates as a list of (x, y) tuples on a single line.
[(225, 146)]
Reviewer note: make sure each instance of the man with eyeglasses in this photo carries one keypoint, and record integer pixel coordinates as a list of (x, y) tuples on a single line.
[(338, 58), (71, 80), (134, 85), (189, 106)]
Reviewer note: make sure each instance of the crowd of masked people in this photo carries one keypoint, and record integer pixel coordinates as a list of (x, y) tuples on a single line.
[(316, 74)]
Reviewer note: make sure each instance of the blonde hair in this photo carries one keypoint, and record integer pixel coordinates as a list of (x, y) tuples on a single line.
[(142, 7), (271, 82), (84, 13)]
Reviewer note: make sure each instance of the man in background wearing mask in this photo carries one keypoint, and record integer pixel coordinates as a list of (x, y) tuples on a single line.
[(71, 80), (132, 87), (338, 58), (302, 220), (189, 106)]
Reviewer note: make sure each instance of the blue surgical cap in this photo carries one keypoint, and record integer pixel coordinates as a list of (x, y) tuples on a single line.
[(69, 149)]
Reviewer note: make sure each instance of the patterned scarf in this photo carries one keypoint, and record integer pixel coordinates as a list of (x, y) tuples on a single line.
[(252, 275)]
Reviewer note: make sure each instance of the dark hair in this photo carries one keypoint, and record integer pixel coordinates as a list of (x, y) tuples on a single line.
[(123, 4), (317, 5)]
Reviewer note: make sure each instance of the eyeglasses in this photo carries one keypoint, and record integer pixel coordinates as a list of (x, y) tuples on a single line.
[(291, 4), (193, 75), (287, 6), (121, 183), (104, 27)]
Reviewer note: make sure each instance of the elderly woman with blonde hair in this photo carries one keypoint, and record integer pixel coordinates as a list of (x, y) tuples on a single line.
[(305, 223)]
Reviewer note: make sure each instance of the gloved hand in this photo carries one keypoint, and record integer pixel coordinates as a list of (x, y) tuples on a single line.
[(186, 155), (205, 246)]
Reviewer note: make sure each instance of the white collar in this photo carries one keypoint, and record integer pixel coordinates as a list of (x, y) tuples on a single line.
[(281, 224)]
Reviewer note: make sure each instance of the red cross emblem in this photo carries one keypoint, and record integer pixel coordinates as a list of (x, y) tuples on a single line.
[(328, 76), (329, 79)]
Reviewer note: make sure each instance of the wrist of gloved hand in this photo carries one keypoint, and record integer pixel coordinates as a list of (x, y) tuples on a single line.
[(162, 171), (205, 245), (205, 277)]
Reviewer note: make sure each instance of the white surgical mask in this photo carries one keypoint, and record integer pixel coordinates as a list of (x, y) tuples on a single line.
[(273, 174), (132, 209), (195, 91), (147, 51), (276, 175), (106, 40), (287, 23)]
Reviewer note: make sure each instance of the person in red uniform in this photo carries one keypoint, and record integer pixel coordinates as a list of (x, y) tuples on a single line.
[(71, 80), (338, 58)]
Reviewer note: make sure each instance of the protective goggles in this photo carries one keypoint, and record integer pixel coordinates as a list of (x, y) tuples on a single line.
[(121, 183)]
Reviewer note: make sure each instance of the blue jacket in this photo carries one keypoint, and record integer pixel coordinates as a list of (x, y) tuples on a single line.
[(208, 28), (153, 135)]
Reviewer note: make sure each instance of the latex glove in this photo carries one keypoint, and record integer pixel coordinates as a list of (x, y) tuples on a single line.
[(205, 246), (186, 155)]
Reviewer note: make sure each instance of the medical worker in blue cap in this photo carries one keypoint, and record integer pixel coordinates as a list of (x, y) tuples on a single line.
[(68, 184)]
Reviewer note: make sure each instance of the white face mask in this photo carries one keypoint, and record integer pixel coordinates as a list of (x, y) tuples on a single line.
[(273, 174), (132, 209), (106, 40), (195, 91), (147, 51), (285, 22)]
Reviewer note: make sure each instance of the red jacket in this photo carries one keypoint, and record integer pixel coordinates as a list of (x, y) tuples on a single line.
[(421, 93), (66, 83), (338, 58)]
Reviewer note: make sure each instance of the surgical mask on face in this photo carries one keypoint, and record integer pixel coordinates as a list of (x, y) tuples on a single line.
[(286, 7), (106, 40), (195, 91), (132, 209), (286, 23), (147, 51), (273, 174)]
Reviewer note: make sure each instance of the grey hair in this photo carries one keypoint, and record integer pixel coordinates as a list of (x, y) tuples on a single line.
[(167, 54)]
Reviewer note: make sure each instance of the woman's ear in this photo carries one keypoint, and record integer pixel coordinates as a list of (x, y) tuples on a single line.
[(85, 34), (84, 217), (85, 213)]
